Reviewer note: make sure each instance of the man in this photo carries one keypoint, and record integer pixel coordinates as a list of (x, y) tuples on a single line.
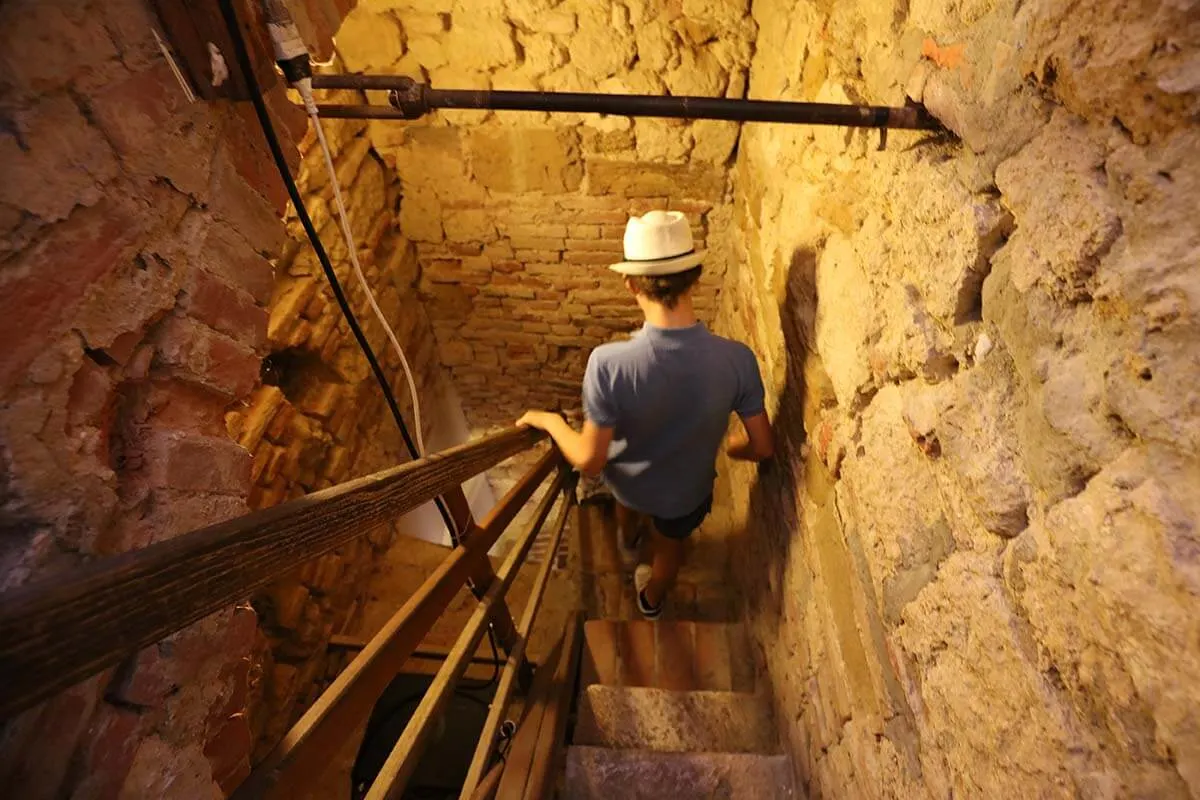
[(657, 406)]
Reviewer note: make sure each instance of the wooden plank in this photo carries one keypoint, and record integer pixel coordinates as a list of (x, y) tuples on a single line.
[(675, 649), (305, 750), (600, 664), (56, 632), (495, 718), (712, 657), (520, 752), (487, 787), (402, 762), (551, 743), (636, 643)]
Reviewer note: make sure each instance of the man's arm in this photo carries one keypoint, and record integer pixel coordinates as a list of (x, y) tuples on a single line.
[(586, 450), (754, 442)]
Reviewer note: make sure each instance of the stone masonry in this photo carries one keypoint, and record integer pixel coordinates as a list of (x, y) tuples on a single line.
[(319, 418), (134, 274), (973, 566), (516, 215)]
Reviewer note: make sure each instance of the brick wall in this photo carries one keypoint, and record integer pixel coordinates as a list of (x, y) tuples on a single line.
[(319, 418), (135, 232), (516, 215)]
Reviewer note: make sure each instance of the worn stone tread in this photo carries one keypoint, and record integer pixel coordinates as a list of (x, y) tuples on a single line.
[(675, 722), (606, 774)]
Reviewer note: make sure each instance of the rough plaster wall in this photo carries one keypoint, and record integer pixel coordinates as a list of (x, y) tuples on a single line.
[(320, 418), (973, 566), (134, 235), (515, 215)]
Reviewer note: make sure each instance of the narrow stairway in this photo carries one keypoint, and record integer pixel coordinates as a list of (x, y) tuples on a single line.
[(673, 708)]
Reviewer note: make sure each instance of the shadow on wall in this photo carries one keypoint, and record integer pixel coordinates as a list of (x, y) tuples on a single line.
[(773, 523)]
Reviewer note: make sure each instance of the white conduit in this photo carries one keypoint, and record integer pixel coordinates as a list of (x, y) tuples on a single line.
[(348, 235)]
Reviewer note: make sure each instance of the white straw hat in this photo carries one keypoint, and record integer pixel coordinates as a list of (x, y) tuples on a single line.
[(658, 243)]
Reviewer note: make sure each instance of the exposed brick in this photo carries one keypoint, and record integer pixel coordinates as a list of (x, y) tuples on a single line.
[(203, 355), (60, 162), (44, 284), (536, 243), (156, 131), (226, 253), (228, 309), (588, 257), (598, 245), (180, 406), (584, 232), (105, 759), (541, 256), (234, 201), (542, 230), (91, 396), (228, 752), (42, 49), (264, 404), (179, 460)]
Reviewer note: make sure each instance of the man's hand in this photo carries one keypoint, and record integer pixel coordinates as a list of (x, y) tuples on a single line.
[(542, 420), (587, 450), (754, 442)]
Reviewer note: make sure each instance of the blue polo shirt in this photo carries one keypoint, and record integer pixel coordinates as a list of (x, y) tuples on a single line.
[(668, 393)]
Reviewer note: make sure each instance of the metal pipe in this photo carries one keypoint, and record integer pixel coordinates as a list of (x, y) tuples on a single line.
[(412, 100)]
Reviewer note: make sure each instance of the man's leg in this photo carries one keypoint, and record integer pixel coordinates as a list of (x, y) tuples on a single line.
[(668, 558), (628, 522)]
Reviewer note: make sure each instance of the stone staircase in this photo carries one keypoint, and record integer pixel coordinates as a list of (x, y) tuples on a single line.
[(667, 709)]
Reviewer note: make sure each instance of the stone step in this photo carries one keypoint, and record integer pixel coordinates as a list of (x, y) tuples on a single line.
[(637, 718), (604, 774), (675, 655)]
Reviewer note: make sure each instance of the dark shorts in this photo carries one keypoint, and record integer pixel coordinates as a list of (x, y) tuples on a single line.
[(683, 527)]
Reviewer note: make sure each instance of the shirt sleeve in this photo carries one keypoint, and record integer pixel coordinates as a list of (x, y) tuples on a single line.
[(599, 405), (750, 401)]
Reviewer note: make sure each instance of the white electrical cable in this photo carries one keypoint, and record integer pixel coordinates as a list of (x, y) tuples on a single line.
[(348, 234)]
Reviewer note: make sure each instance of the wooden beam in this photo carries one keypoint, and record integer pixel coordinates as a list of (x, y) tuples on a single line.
[(552, 686), (58, 631), (508, 678), (308, 747), (487, 787), (406, 753), (547, 754)]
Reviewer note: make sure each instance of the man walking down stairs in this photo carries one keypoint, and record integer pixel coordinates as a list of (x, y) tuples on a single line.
[(671, 708)]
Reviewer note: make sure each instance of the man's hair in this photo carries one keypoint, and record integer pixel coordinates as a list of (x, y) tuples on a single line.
[(666, 289)]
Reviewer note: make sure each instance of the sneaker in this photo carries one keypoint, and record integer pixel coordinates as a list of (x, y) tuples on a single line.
[(641, 578)]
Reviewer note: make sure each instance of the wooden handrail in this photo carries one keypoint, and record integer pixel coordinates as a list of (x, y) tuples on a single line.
[(401, 763), (307, 748), (59, 631), (508, 678)]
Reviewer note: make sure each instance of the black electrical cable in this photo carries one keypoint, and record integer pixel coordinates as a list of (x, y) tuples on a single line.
[(268, 129)]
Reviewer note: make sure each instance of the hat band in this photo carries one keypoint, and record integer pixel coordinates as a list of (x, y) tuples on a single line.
[(664, 258)]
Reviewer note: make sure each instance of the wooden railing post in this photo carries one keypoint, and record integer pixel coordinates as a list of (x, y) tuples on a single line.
[(307, 748), (482, 576)]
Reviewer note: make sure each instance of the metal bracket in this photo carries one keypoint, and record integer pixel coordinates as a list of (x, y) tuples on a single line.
[(882, 139)]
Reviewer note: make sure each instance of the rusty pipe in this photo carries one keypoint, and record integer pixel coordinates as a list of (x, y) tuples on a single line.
[(412, 100)]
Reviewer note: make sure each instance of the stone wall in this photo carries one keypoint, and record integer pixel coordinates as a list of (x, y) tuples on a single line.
[(973, 565), (515, 215), (320, 419), (135, 229)]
